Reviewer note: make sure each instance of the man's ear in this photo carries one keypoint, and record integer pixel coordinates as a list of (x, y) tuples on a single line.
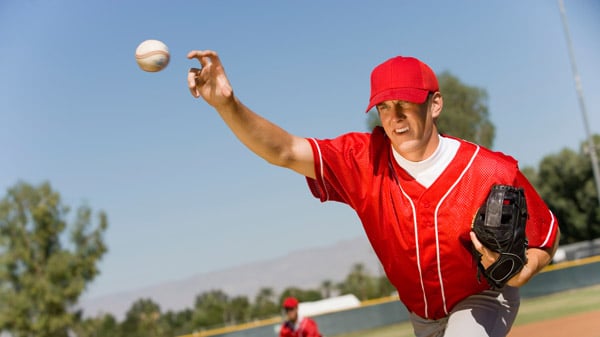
[(437, 103)]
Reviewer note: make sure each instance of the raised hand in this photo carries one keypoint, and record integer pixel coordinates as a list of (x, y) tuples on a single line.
[(209, 81)]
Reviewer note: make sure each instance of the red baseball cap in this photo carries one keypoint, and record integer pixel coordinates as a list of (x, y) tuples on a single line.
[(402, 78), (290, 302)]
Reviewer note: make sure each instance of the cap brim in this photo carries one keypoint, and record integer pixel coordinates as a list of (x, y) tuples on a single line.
[(412, 95)]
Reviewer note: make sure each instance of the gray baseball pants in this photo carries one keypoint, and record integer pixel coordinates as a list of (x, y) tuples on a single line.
[(487, 314)]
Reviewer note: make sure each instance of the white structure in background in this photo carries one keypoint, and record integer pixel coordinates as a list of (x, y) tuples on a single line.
[(577, 250), (332, 304)]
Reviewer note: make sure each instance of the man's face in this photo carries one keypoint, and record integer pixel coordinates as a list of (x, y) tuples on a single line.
[(411, 126), (291, 314)]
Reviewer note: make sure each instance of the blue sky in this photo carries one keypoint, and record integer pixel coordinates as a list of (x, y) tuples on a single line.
[(183, 196)]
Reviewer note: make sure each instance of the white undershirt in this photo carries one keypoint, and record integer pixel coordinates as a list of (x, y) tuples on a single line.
[(427, 171)]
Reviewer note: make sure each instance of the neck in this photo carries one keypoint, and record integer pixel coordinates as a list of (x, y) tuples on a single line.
[(422, 152)]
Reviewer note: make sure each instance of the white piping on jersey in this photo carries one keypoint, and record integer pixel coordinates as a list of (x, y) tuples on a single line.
[(414, 212), (437, 241), (551, 229), (321, 168)]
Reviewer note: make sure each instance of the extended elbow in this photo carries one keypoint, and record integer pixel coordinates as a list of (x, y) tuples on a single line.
[(281, 157)]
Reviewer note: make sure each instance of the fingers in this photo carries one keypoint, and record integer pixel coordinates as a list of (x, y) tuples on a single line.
[(205, 57), (487, 256), (192, 80), (210, 80), (476, 242)]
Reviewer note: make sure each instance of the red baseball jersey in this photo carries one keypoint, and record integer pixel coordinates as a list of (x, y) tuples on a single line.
[(421, 235), (306, 328)]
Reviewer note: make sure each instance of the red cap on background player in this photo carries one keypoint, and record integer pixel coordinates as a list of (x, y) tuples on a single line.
[(402, 78), (290, 303)]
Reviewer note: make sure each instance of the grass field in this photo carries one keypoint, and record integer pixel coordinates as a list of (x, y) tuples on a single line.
[(532, 310)]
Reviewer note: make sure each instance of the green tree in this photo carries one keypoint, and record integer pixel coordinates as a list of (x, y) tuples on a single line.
[(464, 115), (264, 304), (359, 283), (302, 295), (143, 320), (102, 326), (566, 182), (384, 286), (42, 277), (238, 310), (326, 288), (210, 309), (177, 323)]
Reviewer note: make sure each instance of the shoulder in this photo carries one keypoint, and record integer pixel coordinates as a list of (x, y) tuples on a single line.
[(353, 143), (499, 158), (484, 152), (309, 325)]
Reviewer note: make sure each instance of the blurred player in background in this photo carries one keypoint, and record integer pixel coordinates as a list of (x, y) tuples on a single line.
[(295, 325), (416, 192)]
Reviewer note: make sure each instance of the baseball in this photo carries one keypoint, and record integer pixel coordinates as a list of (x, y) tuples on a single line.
[(152, 55)]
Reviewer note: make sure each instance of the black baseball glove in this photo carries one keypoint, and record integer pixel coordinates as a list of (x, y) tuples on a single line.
[(500, 226)]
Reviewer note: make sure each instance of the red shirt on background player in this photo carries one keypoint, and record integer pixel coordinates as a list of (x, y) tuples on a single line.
[(416, 192), (296, 325)]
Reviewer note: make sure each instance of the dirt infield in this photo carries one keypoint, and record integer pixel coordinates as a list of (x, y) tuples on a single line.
[(585, 324)]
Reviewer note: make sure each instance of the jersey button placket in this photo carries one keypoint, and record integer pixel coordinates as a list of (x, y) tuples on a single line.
[(427, 222)]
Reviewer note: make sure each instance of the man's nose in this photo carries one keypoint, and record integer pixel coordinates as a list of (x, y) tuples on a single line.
[(398, 113)]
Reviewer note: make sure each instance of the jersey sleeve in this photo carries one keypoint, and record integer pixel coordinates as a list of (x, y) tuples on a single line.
[(542, 225), (343, 167), (320, 187), (309, 328)]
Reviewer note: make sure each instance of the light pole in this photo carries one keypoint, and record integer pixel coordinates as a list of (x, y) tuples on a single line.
[(578, 87)]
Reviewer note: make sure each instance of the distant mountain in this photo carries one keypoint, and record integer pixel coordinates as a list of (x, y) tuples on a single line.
[(305, 269)]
